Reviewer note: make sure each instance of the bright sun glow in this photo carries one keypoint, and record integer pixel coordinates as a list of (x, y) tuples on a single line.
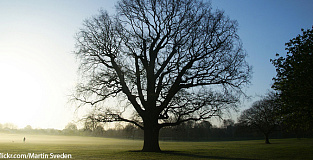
[(34, 82), (22, 90)]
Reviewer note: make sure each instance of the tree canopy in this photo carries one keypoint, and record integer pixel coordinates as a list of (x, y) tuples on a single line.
[(294, 81), (172, 61)]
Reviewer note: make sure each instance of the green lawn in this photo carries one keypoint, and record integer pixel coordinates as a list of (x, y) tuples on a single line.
[(107, 148)]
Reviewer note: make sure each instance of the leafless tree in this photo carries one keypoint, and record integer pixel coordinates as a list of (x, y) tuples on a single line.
[(173, 61), (263, 115)]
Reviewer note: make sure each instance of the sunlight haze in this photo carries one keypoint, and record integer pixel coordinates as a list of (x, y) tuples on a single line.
[(38, 70)]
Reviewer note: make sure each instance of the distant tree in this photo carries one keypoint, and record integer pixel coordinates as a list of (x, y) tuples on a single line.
[(203, 129), (173, 61), (228, 123), (294, 81), (204, 124), (263, 115), (130, 130), (229, 127), (98, 131), (91, 122), (28, 127), (70, 128)]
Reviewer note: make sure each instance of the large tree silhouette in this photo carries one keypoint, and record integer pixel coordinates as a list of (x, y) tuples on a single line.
[(173, 61)]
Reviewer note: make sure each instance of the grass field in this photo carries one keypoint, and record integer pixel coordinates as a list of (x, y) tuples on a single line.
[(107, 148)]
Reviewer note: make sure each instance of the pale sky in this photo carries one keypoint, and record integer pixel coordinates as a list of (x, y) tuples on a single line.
[(38, 70)]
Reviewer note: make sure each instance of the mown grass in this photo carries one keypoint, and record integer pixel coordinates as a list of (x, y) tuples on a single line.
[(107, 148)]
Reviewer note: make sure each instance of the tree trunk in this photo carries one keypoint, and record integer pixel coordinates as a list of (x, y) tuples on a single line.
[(267, 141), (151, 137)]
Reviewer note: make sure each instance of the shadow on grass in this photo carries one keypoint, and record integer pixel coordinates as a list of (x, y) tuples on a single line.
[(194, 156)]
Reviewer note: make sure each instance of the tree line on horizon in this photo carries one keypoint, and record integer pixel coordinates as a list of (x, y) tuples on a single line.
[(190, 131)]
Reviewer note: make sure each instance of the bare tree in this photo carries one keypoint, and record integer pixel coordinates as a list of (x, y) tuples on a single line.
[(173, 61), (263, 115)]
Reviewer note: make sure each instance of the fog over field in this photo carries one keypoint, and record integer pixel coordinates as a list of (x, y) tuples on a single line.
[(107, 148)]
